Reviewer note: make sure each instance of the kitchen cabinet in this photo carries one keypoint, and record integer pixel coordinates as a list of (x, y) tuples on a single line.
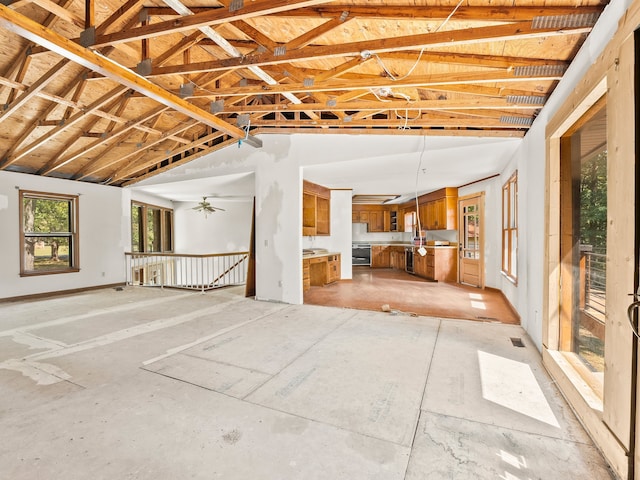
[(333, 268), (316, 211), (442, 264), (397, 258), (306, 275), (377, 217), (320, 270), (394, 217), (419, 264), (376, 221), (439, 209), (380, 256)]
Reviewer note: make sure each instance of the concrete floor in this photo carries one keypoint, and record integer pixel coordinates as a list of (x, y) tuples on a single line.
[(151, 384)]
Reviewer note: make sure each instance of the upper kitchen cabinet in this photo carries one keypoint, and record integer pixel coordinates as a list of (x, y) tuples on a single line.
[(439, 209), (316, 210), (377, 217)]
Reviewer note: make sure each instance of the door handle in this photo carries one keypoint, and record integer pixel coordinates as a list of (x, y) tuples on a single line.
[(634, 306)]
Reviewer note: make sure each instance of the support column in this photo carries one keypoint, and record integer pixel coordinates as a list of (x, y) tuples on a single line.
[(279, 228)]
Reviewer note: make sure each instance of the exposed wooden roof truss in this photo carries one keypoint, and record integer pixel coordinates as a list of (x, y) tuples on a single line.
[(115, 91)]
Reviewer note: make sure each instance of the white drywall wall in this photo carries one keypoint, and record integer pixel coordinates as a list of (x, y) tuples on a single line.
[(104, 234), (220, 232), (278, 225)]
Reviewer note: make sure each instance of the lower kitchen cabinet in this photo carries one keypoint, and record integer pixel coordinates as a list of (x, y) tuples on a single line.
[(380, 256), (320, 270), (306, 275), (397, 258), (441, 264)]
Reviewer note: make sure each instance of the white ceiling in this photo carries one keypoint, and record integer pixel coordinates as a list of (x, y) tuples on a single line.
[(368, 164)]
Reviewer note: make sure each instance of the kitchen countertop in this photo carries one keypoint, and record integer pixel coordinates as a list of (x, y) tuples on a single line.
[(404, 244), (318, 255)]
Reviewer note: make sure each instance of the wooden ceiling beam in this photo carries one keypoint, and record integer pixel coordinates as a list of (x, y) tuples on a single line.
[(88, 171), (518, 31), (99, 103), (433, 12), (60, 12), (33, 31), (379, 82), (492, 61), (308, 37), (133, 167), (177, 163), (256, 36), (390, 123), (33, 90), (441, 12), (205, 19), (426, 131), (108, 139), (362, 105)]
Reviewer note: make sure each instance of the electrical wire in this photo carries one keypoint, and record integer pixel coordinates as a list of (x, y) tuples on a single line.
[(424, 146), (393, 77)]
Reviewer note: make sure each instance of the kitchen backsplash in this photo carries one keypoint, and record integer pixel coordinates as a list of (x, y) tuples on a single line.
[(360, 234)]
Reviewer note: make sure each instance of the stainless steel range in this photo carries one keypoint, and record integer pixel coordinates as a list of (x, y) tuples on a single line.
[(361, 254)]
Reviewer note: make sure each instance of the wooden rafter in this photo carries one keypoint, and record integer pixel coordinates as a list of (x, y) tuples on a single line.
[(517, 31), (94, 168), (379, 82), (29, 29), (205, 19)]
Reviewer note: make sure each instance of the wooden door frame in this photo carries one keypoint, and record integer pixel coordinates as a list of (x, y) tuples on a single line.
[(481, 202)]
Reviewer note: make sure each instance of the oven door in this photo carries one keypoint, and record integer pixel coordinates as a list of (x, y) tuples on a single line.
[(361, 255)]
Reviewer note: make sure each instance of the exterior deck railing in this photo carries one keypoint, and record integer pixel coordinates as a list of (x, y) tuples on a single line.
[(188, 271), (594, 283)]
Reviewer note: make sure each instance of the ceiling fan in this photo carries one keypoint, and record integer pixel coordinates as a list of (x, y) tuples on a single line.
[(206, 207)]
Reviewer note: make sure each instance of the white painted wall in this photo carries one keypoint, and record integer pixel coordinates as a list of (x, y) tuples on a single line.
[(219, 232), (340, 239), (278, 225), (104, 235)]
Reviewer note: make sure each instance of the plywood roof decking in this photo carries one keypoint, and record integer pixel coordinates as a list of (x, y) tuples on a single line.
[(114, 91)]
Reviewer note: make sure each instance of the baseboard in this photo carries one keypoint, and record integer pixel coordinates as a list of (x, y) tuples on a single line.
[(58, 293), (511, 307)]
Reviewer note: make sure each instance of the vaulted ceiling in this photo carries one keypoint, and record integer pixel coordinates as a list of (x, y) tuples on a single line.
[(116, 91)]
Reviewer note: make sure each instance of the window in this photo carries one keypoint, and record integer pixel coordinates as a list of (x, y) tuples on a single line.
[(48, 233), (583, 246), (510, 228), (151, 228)]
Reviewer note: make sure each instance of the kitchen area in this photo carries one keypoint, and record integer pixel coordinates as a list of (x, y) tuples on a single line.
[(419, 238)]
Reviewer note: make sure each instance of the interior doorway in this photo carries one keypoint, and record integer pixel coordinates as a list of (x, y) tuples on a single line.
[(471, 235)]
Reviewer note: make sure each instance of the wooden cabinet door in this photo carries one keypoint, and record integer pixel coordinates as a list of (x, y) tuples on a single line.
[(380, 256), (308, 214), (440, 214), (323, 216), (376, 222)]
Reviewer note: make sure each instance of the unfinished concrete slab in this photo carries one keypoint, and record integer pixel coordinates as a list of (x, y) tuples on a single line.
[(367, 377), (173, 385), (480, 375), (457, 449)]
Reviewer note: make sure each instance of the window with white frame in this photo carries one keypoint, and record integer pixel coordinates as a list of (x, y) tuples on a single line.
[(48, 233), (510, 228)]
